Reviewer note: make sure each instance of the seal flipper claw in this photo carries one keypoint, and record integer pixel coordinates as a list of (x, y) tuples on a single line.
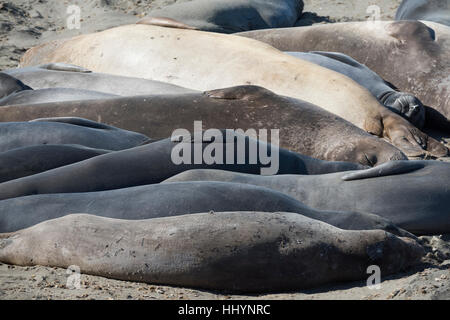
[(238, 93), (60, 66), (385, 169), (165, 22), (76, 121)]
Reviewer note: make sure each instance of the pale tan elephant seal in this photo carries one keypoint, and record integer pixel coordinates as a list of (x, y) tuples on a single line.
[(204, 61)]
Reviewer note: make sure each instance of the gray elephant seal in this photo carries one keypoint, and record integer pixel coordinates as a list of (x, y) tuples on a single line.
[(402, 103), (153, 163), (79, 131), (233, 251), (26, 161), (265, 67), (412, 194), (418, 55), (159, 200), (429, 10), (10, 85), (227, 16), (52, 95), (64, 75), (304, 128)]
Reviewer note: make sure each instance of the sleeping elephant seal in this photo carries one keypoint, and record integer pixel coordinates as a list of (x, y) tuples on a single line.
[(304, 128), (240, 61), (10, 85), (157, 161), (67, 131), (233, 251), (415, 195), (64, 75), (51, 95), (227, 16), (402, 103), (159, 200), (429, 10), (26, 161), (412, 55)]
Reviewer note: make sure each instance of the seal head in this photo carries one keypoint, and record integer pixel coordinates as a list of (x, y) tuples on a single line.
[(407, 105)]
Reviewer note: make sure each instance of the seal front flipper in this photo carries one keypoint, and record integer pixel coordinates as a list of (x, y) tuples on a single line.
[(339, 57), (60, 66), (385, 169), (165, 22), (77, 122), (9, 85), (410, 139), (413, 32), (238, 93)]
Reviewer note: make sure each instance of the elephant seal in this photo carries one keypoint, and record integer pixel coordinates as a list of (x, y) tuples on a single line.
[(227, 16), (304, 128), (10, 85), (265, 66), (66, 131), (233, 251), (419, 55), (429, 10), (26, 161), (52, 95), (70, 76), (173, 199), (402, 103), (155, 162), (412, 194)]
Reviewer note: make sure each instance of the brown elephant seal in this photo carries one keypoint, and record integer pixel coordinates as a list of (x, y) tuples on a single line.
[(419, 55), (66, 130), (159, 200), (265, 66), (227, 16), (412, 194), (304, 128), (233, 251), (403, 103), (429, 10), (64, 75), (157, 161), (26, 161)]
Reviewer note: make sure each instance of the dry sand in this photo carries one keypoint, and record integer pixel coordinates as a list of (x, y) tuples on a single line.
[(26, 23)]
